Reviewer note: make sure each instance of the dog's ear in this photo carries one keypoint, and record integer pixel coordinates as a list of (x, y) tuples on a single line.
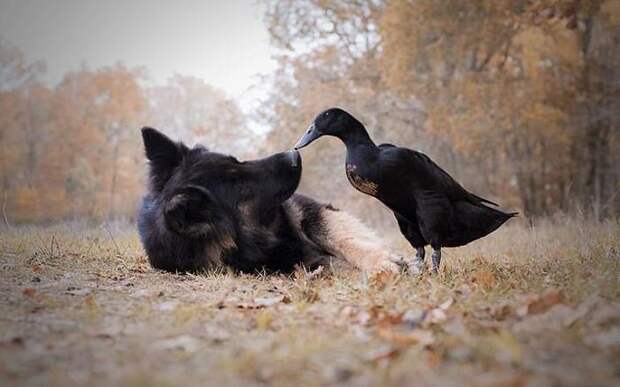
[(163, 153), (191, 212)]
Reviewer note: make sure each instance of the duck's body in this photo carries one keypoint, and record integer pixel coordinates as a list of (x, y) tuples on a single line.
[(429, 205)]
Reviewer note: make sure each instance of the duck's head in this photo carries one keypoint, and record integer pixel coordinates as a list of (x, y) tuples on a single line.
[(331, 122)]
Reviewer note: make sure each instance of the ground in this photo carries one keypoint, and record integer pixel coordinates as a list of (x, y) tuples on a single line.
[(529, 305)]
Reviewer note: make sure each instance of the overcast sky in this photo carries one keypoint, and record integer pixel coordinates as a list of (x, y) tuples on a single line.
[(224, 42)]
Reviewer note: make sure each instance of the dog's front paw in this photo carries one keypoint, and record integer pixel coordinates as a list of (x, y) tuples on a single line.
[(400, 263), (413, 266), (392, 264)]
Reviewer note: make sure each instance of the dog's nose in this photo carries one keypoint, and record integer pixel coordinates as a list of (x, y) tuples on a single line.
[(293, 155)]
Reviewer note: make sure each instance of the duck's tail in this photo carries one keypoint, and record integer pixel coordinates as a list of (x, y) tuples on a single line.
[(477, 221), (483, 200)]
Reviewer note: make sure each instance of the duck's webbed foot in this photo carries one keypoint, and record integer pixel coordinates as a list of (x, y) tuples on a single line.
[(436, 259), (416, 266)]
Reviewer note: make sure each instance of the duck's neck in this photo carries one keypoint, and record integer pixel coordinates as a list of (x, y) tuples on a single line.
[(356, 136)]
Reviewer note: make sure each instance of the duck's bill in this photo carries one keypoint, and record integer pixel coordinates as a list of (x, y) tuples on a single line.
[(310, 135)]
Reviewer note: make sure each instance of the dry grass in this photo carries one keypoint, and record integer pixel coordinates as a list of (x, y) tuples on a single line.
[(525, 306)]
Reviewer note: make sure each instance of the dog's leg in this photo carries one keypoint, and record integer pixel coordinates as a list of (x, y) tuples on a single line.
[(348, 237)]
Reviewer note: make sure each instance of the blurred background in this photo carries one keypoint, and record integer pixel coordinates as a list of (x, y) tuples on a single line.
[(517, 99)]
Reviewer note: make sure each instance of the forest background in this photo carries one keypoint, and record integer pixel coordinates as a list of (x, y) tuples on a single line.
[(518, 100)]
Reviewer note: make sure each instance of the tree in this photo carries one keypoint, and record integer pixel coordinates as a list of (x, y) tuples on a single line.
[(96, 116), (24, 106), (494, 91), (195, 111)]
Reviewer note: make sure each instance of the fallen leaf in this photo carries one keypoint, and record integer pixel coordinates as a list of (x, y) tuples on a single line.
[(310, 295), (16, 341), (501, 312), (78, 292), (363, 318), (90, 303), (607, 339), (540, 303), (604, 315), (382, 356), (485, 278), (464, 291), (433, 358), (383, 317), (166, 306), (270, 301), (263, 320), (583, 309), (437, 316), (315, 273), (139, 293), (339, 375), (414, 318), (381, 279), (29, 292), (406, 336), (262, 302), (552, 320), (184, 343), (509, 349), (446, 304)]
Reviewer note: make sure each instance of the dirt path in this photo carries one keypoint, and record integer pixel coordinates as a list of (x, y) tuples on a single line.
[(528, 307)]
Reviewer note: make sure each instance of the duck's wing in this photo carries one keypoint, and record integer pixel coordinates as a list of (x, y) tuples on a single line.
[(428, 174), (386, 145)]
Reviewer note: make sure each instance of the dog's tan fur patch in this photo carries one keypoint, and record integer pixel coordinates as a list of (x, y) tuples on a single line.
[(294, 212), (215, 250), (350, 239)]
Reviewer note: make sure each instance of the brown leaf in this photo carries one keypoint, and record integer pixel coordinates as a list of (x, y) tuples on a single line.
[(263, 320), (315, 273), (508, 348), (14, 342), (29, 292), (405, 336), (485, 278), (501, 312), (437, 316), (90, 302), (185, 343), (263, 302), (540, 303), (433, 358), (269, 301), (446, 304), (414, 318), (381, 279), (382, 356)]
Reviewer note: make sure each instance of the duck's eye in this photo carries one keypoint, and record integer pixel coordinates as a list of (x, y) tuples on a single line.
[(326, 114)]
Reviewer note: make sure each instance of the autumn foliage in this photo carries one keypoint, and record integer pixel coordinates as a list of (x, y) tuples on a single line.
[(74, 150), (517, 99)]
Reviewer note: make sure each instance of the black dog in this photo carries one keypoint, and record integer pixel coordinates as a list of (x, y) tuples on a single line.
[(205, 210)]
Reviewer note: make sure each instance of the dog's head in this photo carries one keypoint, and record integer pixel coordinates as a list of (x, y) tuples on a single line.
[(200, 192)]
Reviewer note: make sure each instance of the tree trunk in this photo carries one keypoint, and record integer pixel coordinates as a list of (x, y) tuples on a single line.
[(112, 210)]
